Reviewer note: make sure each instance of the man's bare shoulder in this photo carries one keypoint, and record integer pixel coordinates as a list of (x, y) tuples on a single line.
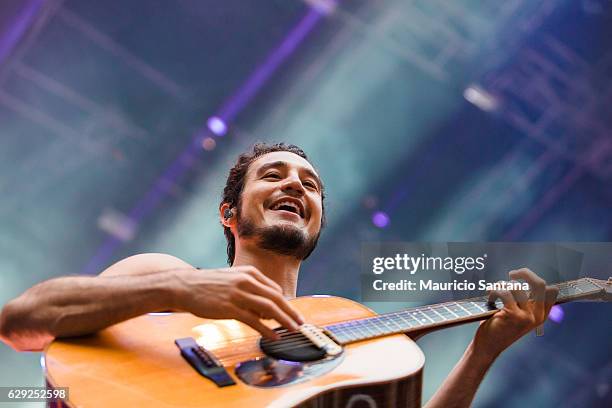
[(144, 263)]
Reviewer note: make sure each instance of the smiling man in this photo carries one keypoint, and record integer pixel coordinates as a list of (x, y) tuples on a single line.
[(273, 202), (272, 213)]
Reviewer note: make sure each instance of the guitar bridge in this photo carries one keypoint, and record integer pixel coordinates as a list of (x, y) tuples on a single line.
[(203, 362)]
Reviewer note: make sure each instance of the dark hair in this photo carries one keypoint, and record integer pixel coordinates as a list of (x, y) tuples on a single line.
[(234, 185)]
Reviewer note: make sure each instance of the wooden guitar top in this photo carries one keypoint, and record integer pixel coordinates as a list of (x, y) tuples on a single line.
[(136, 363)]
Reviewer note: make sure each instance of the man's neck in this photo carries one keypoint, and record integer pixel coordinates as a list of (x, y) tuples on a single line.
[(281, 269)]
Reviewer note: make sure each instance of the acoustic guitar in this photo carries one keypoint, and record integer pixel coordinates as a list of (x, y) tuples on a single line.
[(347, 356)]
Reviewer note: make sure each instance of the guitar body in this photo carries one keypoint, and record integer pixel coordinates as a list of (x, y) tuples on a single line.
[(136, 363)]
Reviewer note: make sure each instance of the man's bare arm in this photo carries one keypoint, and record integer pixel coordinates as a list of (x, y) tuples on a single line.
[(76, 305), (459, 388), (72, 306), (522, 313)]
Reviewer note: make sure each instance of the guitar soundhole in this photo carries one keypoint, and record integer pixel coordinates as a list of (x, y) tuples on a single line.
[(291, 360), (292, 346)]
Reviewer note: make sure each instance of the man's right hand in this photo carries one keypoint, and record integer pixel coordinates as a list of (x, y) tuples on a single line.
[(242, 293)]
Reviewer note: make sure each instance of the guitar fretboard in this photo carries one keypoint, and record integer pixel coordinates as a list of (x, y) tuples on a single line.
[(439, 315)]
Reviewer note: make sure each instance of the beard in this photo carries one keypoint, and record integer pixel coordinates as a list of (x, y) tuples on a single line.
[(281, 239)]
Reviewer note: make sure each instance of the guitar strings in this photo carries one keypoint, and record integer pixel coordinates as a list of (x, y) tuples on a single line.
[(394, 314), (296, 339), (248, 349), (302, 341), (283, 346)]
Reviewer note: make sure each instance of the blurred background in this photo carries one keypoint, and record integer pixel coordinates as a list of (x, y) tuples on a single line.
[(428, 120)]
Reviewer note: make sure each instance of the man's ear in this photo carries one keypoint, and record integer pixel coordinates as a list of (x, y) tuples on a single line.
[(226, 214)]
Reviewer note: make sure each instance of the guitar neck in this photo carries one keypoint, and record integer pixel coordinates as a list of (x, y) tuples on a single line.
[(439, 316)]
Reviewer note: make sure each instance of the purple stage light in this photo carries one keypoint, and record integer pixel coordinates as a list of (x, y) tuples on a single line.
[(380, 219), (556, 314), (217, 125)]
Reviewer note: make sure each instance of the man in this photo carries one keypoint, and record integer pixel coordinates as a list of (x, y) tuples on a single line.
[(272, 213)]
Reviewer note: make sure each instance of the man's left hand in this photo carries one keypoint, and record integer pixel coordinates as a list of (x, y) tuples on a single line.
[(522, 313)]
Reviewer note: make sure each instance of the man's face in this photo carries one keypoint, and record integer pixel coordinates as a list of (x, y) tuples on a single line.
[(281, 204)]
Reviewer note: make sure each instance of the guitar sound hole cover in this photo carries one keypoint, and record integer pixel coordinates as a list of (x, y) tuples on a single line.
[(292, 346), (292, 359)]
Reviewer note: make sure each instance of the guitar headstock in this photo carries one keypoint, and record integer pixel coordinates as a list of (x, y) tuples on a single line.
[(585, 289), (606, 288)]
